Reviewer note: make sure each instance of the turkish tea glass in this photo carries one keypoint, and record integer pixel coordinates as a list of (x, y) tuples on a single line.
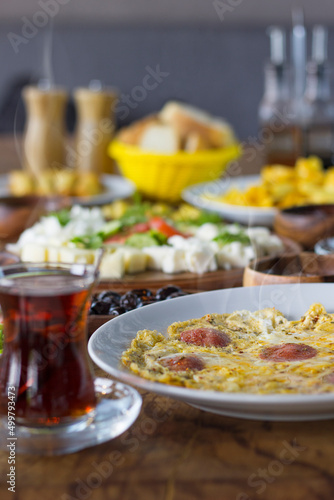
[(50, 402), (45, 365)]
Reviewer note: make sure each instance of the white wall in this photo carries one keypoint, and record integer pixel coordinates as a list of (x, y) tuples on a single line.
[(116, 12)]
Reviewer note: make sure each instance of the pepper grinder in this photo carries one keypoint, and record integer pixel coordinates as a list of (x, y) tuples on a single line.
[(95, 128), (44, 135)]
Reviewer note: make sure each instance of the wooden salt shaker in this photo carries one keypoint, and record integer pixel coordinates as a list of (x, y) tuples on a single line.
[(44, 136), (95, 128)]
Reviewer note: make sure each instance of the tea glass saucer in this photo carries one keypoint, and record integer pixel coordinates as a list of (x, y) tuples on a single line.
[(117, 408)]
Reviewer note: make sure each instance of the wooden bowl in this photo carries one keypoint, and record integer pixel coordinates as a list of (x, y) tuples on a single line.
[(306, 267), (19, 212), (306, 224)]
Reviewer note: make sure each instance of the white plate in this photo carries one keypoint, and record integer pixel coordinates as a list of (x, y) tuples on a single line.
[(108, 343), (251, 216), (115, 188)]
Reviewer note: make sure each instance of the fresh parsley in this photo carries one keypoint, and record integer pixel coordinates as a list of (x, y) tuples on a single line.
[(205, 217), (227, 237), (63, 216), (93, 241)]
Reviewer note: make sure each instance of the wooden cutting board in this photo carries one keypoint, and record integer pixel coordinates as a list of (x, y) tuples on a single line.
[(189, 282)]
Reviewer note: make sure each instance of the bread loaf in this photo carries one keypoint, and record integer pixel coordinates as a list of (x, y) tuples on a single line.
[(178, 127), (195, 142), (187, 119), (160, 139), (133, 133)]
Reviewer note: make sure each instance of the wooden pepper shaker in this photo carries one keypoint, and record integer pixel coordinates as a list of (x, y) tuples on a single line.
[(44, 136), (95, 128)]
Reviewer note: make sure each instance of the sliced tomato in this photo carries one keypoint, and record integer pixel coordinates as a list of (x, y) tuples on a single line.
[(117, 238), (159, 224), (141, 227)]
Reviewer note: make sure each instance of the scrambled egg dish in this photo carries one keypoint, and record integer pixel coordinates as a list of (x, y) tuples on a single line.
[(260, 352), (281, 186)]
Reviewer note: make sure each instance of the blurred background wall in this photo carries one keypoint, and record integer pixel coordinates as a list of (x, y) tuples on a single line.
[(208, 53)]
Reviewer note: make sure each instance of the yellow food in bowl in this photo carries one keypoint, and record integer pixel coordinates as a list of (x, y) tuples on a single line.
[(164, 176), (282, 186)]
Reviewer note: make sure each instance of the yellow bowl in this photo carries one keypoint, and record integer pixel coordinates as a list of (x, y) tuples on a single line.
[(163, 176)]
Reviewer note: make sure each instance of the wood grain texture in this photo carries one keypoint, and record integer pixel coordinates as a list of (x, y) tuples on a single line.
[(176, 452), (189, 282), (305, 267)]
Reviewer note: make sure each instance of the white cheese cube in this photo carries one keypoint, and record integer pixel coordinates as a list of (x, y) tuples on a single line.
[(263, 242), (234, 255), (155, 257), (207, 231), (84, 257), (200, 261), (167, 259), (174, 261), (199, 256), (66, 255), (53, 254), (134, 260), (32, 252), (112, 265), (178, 241), (76, 255)]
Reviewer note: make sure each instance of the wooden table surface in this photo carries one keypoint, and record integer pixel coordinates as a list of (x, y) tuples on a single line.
[(176, 452)]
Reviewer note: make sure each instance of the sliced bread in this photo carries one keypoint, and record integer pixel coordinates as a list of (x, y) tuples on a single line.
[(160, 139), (186, 120)]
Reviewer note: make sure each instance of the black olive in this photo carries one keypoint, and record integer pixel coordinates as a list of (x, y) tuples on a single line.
[(99, 307), (164, 292), (176, 294), (129, 301), (110, 297), (113, 304), (142, 292), (116, 311)]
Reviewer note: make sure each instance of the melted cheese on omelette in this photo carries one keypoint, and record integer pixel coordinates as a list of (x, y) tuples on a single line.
[(254, 352)]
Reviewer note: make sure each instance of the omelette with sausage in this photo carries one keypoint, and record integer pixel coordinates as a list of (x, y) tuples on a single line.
[(258, 352)]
